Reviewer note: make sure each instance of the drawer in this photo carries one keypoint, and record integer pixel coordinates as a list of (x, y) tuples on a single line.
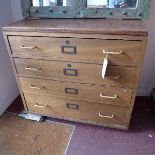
[(76, 72), (86, 92), (77, 110), (77, 50)]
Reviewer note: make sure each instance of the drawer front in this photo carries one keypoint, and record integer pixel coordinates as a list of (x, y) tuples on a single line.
[(78, 110), (76, 72), (86, 92), (124, 53)]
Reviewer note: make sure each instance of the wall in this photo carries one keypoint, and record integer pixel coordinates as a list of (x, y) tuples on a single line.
[(147, 81), (8, 86), (16, 9)]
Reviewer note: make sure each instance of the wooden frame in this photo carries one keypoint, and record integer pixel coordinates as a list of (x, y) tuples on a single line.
[(80, 10)]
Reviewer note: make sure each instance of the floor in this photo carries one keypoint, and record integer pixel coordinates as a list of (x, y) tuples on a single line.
[(94, 140), (25, 137)]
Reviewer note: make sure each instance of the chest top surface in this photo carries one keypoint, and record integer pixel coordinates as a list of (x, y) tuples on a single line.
[(92, 26)]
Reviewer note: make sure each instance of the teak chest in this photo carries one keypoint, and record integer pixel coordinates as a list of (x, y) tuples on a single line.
[(58, 65)]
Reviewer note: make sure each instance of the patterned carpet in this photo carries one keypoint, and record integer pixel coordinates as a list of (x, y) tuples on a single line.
[(23, 137)]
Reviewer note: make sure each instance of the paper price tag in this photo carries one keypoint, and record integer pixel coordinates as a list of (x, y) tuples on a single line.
[(105, 65)]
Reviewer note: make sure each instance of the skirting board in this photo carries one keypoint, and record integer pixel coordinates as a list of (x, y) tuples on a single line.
[(153, 95), (7, 104), (143, 92)]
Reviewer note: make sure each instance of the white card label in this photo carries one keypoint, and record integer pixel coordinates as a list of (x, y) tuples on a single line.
[(105, 65), (95, 2)]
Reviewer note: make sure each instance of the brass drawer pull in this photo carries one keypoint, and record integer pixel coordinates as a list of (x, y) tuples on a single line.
[(108, 97), (35, 87), (32, 68), (114, 77), (72, 106), (68, 49), (114, 53), (106, 116), (70, 72), (40, 106), (28, 47), (71, 91)]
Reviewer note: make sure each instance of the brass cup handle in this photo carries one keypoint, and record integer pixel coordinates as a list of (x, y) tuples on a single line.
[(40, 106), (108, 97), (114, 53), (35, 87), (28, 47), (106, 116), (32, 68), (114, 77)]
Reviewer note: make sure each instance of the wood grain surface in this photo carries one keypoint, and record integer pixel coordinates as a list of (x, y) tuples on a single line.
[(91, 26), (76, 72), (77, 50), (85, 92), (56, 106)]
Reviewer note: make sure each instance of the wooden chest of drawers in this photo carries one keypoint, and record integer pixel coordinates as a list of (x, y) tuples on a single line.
[(58, 68)]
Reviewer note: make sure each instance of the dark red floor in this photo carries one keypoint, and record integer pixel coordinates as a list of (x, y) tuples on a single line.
[(94, 140), (139, 140)]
